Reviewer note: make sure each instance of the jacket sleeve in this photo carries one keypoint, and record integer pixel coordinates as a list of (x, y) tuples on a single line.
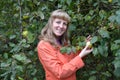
[(53, 64)]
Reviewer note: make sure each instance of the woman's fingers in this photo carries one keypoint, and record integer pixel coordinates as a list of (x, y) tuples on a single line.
[(88, 38)]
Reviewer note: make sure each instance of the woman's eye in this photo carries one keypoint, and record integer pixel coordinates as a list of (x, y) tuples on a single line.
[(65, 24), (58, 22)]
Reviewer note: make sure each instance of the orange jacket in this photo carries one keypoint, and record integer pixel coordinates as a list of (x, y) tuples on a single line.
[(58, 66)]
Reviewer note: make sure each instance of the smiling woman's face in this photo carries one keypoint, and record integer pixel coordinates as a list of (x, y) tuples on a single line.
[(59, 27)]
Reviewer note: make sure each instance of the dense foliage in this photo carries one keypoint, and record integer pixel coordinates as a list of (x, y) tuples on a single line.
[(21, 22)]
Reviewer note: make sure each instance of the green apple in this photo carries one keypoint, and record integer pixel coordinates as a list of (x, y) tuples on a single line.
[(109, 1), (25, 33), (89, 44)]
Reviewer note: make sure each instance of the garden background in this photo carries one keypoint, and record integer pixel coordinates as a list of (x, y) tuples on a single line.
[(22, 20)]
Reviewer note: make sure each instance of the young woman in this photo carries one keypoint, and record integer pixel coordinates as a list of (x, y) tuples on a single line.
[(53, 36)]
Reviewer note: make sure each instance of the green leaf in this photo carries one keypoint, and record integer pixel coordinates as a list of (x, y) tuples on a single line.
[(104, 33), (81, 44), (107, 73), (68, 2), (117, 53), (117, 63), (19, 68), (69, 50), (92, 78), (30, 37), (118, 12), (11, 44), (102, 14), (117, 72), (91, 12), (72, 27), (22, 58), (115, 17), (73, 49), (35, 78), (41, 14), (118, 19), (114, 47), (5, 55), (12, 36), (93, 72), (95, 51), (19, 78), (95, 4), (100, 48), (26, 45), (103, 50), (15, 49), (112, 18), (117, 41), (63, 50), (4, 64), (94, 39), (51, 0)]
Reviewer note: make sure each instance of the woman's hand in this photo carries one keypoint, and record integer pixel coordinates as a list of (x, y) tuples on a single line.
[(85, 51), (88, 49)]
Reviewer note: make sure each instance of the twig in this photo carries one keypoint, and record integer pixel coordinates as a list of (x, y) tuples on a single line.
[(20, 22)]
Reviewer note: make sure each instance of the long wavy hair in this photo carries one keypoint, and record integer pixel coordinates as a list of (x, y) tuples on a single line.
[(47, 33)]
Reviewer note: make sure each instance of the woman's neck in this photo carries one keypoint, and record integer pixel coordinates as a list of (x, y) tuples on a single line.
[(59, 41)]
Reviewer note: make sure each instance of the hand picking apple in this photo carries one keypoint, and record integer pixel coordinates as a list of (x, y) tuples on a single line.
[(88, 48), (89, 44)]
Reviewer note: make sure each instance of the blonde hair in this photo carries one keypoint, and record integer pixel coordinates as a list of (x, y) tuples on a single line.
[(47, 34)]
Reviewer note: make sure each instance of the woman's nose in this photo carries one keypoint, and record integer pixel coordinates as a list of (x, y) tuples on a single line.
[(61, 25)]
